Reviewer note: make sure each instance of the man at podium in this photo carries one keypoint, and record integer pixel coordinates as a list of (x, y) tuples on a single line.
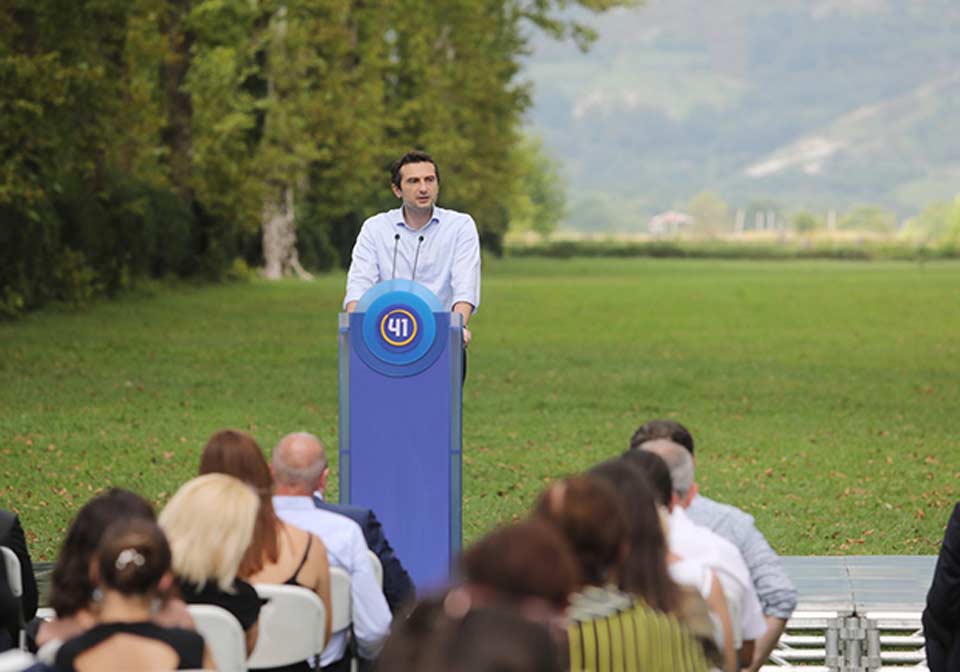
[(419, 241)]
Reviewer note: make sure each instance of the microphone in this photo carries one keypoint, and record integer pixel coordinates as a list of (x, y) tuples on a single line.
[(416, 257), (396, 244)]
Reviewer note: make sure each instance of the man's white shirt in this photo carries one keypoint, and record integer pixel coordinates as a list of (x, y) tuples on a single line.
[(347, 549), (446, 261), (689, 540)]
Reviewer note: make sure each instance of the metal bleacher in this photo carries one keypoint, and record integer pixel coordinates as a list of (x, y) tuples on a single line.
[(855, 613)]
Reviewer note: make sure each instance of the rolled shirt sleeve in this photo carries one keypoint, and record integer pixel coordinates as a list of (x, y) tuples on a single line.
[(465, 274), (364, 270)]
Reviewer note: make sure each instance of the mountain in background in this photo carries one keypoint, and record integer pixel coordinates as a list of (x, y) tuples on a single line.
[(813, 104)]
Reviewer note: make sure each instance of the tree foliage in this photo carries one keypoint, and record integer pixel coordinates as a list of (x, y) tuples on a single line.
[(710, 213), (163, 137)]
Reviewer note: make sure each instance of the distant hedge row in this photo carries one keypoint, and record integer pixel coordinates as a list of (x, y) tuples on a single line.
[(565, 249)]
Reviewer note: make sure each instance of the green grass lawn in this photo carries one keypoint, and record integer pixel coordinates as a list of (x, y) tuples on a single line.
[(822, 395)]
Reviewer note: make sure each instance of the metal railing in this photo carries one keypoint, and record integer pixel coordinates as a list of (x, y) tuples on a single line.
[(836, 641)]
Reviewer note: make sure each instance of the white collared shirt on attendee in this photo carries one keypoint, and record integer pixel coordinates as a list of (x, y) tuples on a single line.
[(689, 540), (447, 262), (347, 549)]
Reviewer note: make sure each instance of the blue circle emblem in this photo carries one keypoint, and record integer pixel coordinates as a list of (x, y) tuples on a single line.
[(399, 329)]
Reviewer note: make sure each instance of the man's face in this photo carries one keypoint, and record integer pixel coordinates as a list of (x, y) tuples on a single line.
[(419, 186)]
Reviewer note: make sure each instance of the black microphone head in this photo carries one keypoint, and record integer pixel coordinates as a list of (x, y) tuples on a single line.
[(421, 237), (397, 237)]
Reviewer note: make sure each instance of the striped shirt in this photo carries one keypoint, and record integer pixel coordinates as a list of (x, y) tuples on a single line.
[(610, 631)]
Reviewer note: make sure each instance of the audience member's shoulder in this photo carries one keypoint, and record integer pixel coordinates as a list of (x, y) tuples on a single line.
[(355, 513), (719, 510)]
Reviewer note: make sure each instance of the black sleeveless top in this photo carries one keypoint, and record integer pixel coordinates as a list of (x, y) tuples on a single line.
[(187, 643)]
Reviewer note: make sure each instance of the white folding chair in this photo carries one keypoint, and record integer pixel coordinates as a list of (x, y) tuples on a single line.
[(223, 634), (15, 660), (342, 614), (12, 567), (291, 626), (341, 608), (377, 567)]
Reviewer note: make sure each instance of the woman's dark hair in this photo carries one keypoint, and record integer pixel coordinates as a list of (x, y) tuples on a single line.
[(526, 559), (71, 589), (662, 429), (237, 454), (645, 572), (591, 516), (486, 639), (656, 471), (413, 156), (132, 557)]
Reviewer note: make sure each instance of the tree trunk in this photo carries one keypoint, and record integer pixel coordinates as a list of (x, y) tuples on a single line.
[(177, 102), (280, 237)]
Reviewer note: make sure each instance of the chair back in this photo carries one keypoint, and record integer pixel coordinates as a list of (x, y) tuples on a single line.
[(377, 567), (291, 627), (341, 609), (223, 634), (15, 660), (12, 565)]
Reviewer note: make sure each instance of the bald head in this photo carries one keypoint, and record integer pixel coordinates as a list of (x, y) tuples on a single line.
[(679, 462), (299, 464)]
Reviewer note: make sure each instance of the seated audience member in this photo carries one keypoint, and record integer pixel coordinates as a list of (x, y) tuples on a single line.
[(528, 566), (132, 569), (689, 540), (280, 553), (72, 593), (209, 525), (941, 617), (777, 594), (650, 568), (397, 585), (589, 513), (11, 608), (484, 639), (299, 467)]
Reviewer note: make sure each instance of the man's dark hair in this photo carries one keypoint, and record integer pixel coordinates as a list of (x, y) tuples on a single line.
[(656, 471), (662, 429), (413, 156)]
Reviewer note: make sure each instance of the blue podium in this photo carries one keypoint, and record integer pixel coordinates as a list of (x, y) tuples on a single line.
[(400, 422)]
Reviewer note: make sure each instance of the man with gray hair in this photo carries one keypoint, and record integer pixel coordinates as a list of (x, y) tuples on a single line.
[(774, 588), (689, 540), (299, 467)]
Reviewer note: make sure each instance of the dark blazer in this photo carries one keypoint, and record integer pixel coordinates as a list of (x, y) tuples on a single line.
[(397, 586), (941, 618), (11, 536)]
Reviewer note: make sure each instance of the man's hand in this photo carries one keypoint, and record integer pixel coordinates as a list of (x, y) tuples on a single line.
[(465, 310), (767, 642), (352, 306)]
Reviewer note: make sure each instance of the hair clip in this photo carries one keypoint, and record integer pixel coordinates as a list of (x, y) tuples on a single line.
[(127, 556)]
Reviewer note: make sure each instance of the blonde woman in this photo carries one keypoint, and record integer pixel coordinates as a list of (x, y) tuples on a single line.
[(280, 553), (209, 524)]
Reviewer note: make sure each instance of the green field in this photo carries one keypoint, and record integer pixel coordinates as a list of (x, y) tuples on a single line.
[(822, 394)]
